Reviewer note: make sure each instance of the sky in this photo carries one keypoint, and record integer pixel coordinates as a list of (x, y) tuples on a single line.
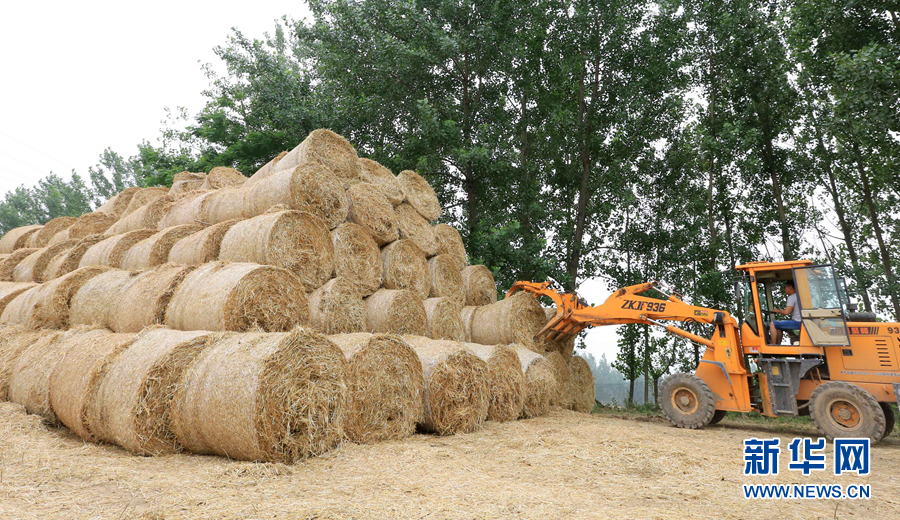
[(80, 77)]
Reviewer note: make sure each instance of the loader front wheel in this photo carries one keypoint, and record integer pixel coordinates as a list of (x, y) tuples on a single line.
[(842, 409), (687, 401)]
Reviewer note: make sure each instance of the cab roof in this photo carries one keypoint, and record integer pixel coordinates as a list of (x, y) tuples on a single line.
[(772, 266)]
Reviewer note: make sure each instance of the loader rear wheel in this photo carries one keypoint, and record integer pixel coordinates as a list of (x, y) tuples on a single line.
[(888, 418), (842, 409), (687, 401)]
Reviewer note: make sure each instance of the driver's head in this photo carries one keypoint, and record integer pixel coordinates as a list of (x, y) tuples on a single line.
[(789, 288)]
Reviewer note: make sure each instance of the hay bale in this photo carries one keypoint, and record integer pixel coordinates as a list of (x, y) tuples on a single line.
[(186, 181), (328, 149), (308, 187), (446, 278), (29, 380), (111, 251), (239, 297), (17, 238), (33, 267), (419, 194), (87, 225), (47, 305), (563, 396), (74, 380), (65, 263), (337, 308), (513, 320), (144, 301), (457, 397), (185, 210), (223, 205), (13, 341), (479, 284), (369, 209), (540, 383), (357, 257), (143, 197), (377, 175), (395, 312), (450, 243), (118, 204), (98, 299), (266, 170), (147, 216), (132, 404), (466, 315), (404, 267), (386, 387), (582, 385), (564, 345), (263, 397), (8, 264), (10, 290), (444, 321), (222, 177), (154, 250), (202, 246), (417, 229), (45, 234), (294, 240), (506, 380)]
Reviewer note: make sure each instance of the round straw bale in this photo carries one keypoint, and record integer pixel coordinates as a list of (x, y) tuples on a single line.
[(444, 321), (240, 297), (10, 290), (132, 404), (67, 262), (377, 175), (416, 228), (112, 250), (513, 320), (563, 396), (337, 308), (32, 267), (87, 225), (328, 149), (396, 312), (540, 383), (185, 210), (223, 205), (446, 279), (47, 305), (450, 243), (506, 380), (99, 298), (29, 380), (266, 170), (275, 189), (386, 387), (309, 187), (117, 205), (405, 267), (186, 181), (13, 341), (466, 315), (564, 345), (17, 238), (144, 301), (143, 197), (457, 397), (45, 234), (8, 264), (582, 384), (479, 284), (263, 397), (295, 240), (373, 212), (154, 250), (74, 380), (419, 194), (356, 257), (222, 177), (202, 246), (147, 216)]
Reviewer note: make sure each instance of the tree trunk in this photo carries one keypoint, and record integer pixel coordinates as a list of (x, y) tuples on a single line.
[(768, 153), (656, 392), (646, 364)]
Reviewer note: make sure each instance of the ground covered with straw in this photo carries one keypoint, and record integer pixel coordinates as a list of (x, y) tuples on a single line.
[(565, 465)]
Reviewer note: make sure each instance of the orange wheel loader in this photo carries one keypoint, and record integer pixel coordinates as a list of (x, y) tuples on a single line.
[(841, 366)]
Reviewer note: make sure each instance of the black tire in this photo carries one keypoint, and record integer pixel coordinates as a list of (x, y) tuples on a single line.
[(718, 415), (888, 418), (842, 409), (687, 401)]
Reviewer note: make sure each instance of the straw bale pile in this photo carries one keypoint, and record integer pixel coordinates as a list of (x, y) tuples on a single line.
[(450, 243), (17, 238), (202, 246), (69, 261), (29, 380), (263, 397), (413, 227), (154, 250), (405, 267), (506, 380), (513, 320), (186, 181), (396, 312), (444, 321), (540, 383), (222, 177), (371, 210), (563, 396), (479, 284), (386, 387), (377, 175), (132, 404), (582, 384), (294, 240), (238, 297), (45, 234), (74, 380), (47, 305), (337, 308), (111, 251), (9, 263), (357, 257), (419, 194), (457, 396)]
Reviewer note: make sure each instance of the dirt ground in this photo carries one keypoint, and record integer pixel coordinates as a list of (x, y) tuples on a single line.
[(564, 465)]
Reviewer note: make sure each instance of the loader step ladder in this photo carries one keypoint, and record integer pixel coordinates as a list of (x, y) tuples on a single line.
[(782, 379)]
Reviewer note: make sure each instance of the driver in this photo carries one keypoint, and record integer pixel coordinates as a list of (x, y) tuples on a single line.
[(792, 309)]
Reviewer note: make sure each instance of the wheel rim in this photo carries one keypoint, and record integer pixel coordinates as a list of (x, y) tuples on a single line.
[(685, 400), (844, 414)]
